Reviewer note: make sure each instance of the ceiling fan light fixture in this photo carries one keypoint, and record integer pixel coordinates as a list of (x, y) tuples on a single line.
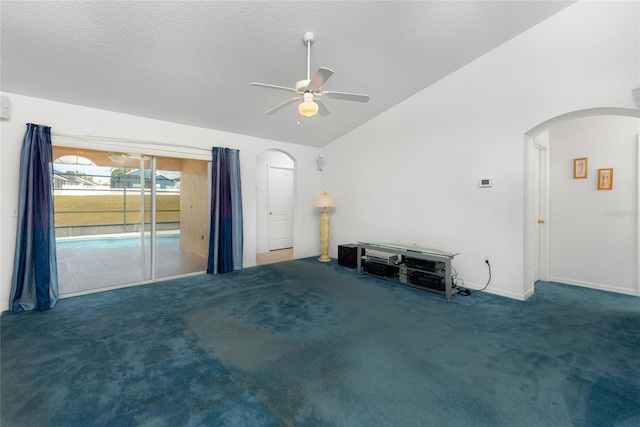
[(118, 157), (307, 107)]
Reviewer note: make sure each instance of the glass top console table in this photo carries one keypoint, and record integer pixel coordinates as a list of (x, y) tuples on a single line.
[(421, 267)]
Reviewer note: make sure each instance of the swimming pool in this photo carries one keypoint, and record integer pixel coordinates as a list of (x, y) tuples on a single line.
[(114, 242)]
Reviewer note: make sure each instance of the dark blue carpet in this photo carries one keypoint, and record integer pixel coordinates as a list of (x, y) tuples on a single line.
[(304, 343)]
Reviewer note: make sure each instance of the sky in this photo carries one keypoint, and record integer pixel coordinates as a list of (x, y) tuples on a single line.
[(100, 174)]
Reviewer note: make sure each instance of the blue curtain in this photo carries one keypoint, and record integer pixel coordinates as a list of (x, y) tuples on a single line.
[(225, 235), (35, 272)]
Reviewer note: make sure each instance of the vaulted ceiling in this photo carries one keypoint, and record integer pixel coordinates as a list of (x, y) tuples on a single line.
[(192, 62)]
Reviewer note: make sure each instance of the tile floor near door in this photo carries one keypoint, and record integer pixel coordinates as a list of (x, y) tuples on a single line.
[(272, 257)]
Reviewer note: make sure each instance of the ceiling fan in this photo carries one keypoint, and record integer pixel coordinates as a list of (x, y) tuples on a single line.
[(310, 90)]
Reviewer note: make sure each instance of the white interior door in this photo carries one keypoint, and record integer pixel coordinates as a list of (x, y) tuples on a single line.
[(536, 208), (280, 201), (541, 208)]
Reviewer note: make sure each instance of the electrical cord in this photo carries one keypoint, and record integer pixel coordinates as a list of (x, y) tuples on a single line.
[(457, 283), (454, 278), (466, 292), (488, 281)]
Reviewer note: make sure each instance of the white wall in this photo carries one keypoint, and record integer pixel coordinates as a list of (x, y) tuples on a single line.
[(593, 232), (68, 118), (411, 174)]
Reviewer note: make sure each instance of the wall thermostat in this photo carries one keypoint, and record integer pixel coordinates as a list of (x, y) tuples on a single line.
[(485, 182)]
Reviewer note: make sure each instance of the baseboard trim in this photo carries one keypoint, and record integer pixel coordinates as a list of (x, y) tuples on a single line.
[(499, 292), (593, 285), (528, 294)]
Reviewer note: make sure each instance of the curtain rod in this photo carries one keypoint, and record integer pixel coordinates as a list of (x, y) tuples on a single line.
[(90, 138)]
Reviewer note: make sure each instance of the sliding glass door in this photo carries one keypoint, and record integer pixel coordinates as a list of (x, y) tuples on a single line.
[(181, 216), (123, 219)]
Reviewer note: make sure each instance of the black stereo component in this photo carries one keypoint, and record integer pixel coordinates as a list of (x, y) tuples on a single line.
[(382, 270), (422, 264), (348, 255), (426, 280)]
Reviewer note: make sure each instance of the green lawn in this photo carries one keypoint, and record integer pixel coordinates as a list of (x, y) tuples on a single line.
[(109, 209)]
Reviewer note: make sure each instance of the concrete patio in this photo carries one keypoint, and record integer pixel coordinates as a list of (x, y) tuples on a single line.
[(87, 269)]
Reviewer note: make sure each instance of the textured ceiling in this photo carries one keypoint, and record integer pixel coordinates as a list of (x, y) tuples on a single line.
[(192, 62)]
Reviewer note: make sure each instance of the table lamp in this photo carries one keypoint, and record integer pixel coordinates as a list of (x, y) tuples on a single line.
[(324, 201)]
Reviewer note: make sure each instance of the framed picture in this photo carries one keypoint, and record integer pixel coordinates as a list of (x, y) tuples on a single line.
[(605, 179), (580, 168)]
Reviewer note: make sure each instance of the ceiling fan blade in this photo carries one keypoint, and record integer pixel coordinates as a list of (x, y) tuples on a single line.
[(322, 109), (318, 79), (345, 96), (281, 106), (288, 89)]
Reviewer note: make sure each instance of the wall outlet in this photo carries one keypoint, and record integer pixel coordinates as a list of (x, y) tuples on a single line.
[(13, 212)]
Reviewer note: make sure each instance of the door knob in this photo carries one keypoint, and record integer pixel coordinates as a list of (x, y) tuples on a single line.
[(540, 221)]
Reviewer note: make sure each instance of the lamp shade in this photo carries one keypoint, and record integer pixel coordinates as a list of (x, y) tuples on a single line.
[(324, 200), (308, 108)]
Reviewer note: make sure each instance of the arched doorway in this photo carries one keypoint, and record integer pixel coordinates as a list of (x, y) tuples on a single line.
[(275, 188), (536, 176)]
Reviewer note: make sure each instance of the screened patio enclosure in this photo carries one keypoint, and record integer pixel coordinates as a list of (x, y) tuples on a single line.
[(124, 219)]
